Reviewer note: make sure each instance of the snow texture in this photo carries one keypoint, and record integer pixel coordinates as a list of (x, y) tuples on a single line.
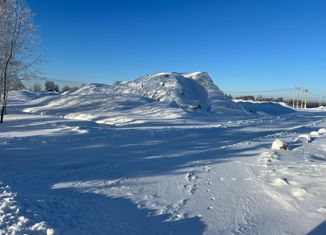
[(174, 169)]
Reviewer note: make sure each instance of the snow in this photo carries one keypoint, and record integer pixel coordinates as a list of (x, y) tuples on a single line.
[(263, 108), (322, 131), (11, 219), (101, 161), (279, 144), (314, 134), (162, 97), (304, 138)]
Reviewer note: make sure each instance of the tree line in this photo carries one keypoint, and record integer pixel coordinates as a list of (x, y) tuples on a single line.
[(50, 86)]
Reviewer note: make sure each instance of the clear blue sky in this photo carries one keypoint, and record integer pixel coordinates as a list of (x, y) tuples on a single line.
[(243, 44)]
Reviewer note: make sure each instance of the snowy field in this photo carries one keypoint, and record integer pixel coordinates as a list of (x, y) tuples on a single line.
[(164, 154)]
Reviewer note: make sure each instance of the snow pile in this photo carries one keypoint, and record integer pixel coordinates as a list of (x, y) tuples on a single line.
[(162, 96), (265, 108), (306, 138), (279, 144), (322, 131), (314, 134)]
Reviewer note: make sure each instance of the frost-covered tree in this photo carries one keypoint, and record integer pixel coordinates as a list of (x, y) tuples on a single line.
[(36, 88), (51, 86), (18, 36), (69, 89), (13, 84)]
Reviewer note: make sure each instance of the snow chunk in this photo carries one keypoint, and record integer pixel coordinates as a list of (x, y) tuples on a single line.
[(322, 131), (298, 192), (279, 144), (314, 134), (304, 138)]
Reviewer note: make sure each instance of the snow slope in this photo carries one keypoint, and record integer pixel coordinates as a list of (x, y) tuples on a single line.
[(265, 108), (167, 97)]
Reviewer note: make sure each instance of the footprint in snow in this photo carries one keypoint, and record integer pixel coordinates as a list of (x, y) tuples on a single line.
[(191, 177), (193, 188), (206, 168)]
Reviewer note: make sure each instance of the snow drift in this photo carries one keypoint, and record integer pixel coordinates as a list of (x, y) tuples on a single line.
[(162, 96), (265, 108)]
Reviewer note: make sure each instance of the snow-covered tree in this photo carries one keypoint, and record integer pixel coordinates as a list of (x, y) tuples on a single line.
[(51, 86), (36, 88), (69, 89), (17, 40)]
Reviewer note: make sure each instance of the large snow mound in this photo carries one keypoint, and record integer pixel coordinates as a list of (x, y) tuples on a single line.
[(162, 96)]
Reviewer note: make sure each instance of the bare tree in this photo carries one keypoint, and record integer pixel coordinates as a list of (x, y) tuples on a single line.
[(18, 36)]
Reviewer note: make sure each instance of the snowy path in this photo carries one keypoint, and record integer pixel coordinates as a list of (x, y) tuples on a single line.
[(81, 177)]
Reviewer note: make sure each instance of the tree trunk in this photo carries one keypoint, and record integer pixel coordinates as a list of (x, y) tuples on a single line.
[(3, 108), (2, 113)]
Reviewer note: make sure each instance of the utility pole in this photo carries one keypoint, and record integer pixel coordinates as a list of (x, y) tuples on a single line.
[(302, 97), (294, 96), (305, 98), (297, 96)]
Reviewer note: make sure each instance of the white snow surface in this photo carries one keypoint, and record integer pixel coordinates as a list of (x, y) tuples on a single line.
[(202, 175), (167, 97)]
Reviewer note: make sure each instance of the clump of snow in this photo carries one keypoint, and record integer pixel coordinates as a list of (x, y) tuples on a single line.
[(279, 144), (280, 182), (298, 192), (322, 131), (305, 138), (314, 134)]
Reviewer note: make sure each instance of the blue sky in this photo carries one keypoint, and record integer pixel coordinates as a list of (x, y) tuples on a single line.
[(243, 44)]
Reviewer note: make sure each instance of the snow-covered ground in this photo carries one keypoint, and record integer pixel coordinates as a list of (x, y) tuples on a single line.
[(206, 171)]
